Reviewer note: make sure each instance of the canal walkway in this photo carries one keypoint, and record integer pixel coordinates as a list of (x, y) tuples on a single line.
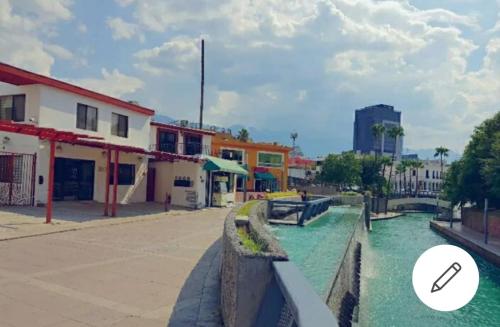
[(471, 239)]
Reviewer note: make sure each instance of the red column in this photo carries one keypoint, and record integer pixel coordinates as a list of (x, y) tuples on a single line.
[(115, 183), (50, 191), (108, 166)]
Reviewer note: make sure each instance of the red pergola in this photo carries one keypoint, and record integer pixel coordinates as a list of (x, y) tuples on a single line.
[(54, 136)]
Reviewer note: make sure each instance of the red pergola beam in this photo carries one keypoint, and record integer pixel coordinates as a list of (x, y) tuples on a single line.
[(115, 183), (108, 166), (50, 191)]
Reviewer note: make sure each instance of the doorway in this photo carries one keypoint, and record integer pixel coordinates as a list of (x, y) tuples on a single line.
[(150, 189), (73, 179)]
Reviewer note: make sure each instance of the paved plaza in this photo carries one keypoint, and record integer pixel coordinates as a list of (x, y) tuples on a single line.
[(120, 274)]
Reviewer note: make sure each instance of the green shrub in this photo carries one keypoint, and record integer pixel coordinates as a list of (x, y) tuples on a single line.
[(246, 208), (248, 242)]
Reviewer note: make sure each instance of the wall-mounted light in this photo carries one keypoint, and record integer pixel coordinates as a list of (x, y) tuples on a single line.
[(59, 147), (32, 120), (139, 158), (5, 140)]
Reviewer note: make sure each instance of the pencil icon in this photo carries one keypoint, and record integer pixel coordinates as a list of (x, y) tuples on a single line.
[(446, 277)]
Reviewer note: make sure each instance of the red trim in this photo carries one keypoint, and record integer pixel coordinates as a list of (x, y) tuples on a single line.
[(108, 166), (182, 129), (17, 76), (115, 183), (50, 191)]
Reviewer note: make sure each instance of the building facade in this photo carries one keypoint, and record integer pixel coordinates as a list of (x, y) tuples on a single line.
[(363, 139), (266, 163), (61, 142), (426, 181)]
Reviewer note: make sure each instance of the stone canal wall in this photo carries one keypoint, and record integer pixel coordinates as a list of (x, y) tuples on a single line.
[(473, 218), (344, 294), (245, 275)]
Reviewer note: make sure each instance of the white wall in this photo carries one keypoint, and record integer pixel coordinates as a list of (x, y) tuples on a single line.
[(18, 143), (126, 193), (165, 175), (58, 110)]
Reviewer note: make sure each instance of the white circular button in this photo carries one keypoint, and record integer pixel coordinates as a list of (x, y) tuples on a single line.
[(445, 278)]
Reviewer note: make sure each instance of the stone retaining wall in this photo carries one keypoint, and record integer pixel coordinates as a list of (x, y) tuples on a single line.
[(245, 276), (344, 294), (473, 218)]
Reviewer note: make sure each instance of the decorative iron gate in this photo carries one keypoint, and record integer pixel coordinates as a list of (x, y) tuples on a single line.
[(17, 179)]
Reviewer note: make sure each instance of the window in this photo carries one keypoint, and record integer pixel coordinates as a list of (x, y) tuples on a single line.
[(11, 167), (266, 159), (236, 155), (86, 117), (126, 174), (427, 174), (167, 141), (119, 125), (12, 107), (192, 144)]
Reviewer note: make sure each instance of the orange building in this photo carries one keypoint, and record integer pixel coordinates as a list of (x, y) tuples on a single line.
[(266, 163)]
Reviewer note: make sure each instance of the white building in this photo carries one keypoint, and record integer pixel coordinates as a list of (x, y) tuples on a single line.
[(430, 179), (64, 140)]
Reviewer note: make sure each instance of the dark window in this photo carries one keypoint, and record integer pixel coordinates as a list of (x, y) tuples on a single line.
[(192, 144), (12, 107), (414, 173), (86, 117), (126, 174), (236, 155), (167, 141), (119, 125), (427, 174), (11, 168)]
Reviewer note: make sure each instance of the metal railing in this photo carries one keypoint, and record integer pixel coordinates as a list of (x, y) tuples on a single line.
[(191, 148)]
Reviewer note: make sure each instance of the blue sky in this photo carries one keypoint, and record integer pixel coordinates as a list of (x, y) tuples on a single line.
[(275, 66)]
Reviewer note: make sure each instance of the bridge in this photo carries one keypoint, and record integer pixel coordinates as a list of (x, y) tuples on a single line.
[(417, 203)]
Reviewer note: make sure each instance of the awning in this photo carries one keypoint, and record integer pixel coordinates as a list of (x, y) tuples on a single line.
[(264, 176), (218, 164)]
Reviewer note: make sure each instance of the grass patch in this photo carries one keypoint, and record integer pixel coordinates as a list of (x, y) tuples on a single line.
[(246, 208), (350, 193), (248, 242)]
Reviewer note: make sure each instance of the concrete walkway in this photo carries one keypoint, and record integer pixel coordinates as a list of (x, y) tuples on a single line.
[(470, 239), (119, 275), (19, 222)]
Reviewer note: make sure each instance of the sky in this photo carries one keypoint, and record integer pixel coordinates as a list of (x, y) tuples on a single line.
[(275, 66)]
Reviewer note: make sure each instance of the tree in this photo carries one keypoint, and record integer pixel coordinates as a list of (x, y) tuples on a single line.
[(294, 136), (406, 164), (441, 152), (400, 170), (343, 170), (243, 135), (476, 175), (395, 133), (371, 177), (378, 130)]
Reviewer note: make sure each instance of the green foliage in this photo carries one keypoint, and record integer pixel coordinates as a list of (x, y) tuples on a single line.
[(343, 170), (249, 242), (477, 175), (371, 173), (243, 135), (246, 208)]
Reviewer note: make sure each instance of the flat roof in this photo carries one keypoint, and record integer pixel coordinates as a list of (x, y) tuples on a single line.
[(180, 128), (17, 76)]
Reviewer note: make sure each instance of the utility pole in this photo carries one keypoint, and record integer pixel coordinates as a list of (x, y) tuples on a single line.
[(202, 80)]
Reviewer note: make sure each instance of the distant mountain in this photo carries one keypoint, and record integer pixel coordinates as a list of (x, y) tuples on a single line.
[(424, 154), (163, 119)]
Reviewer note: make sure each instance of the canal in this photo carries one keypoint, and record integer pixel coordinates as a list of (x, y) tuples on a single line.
[(387, 296), (388, 255)]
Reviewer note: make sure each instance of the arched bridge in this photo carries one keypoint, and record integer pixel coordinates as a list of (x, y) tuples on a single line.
[(417, 203)]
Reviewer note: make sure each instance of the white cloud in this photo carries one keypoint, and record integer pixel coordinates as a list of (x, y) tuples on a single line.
[(112, 83), (123, 30), (222, 112), (177, 53), (82, 28), (302, 95), (23, 23)]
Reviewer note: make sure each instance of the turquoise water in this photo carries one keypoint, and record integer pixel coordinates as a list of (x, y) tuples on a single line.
[(318, 248), (387, 296)]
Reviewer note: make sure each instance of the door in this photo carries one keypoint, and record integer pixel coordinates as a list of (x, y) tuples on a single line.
[(73, 179), (150, 191)]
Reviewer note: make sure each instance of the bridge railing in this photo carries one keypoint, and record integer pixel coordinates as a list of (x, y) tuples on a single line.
[(304, 210)]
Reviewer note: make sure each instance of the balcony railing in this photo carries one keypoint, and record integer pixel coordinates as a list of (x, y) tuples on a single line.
[(192, 148)]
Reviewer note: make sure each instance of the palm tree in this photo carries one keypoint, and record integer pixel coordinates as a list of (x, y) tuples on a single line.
[(417, 165), (400, 169), (243, 135), (441, 152), (395, 132), (378, 130), (406, 165), (294, 136)]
